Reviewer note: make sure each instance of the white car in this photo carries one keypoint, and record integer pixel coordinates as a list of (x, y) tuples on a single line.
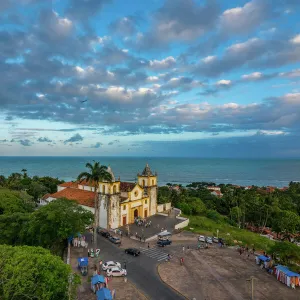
[(209, 240), (201, 238), (110, 264), (215, 239), (116, 271)]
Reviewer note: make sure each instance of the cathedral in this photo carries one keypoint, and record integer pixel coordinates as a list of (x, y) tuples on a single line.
[(119, 202)]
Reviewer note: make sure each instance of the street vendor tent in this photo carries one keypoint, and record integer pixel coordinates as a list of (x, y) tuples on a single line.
[(98, 278), (104, 294), (286, 276), (263, 258), (83, 261)]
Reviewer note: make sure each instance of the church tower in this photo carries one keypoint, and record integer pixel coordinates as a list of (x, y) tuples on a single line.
[(148, 181), (109, 195)]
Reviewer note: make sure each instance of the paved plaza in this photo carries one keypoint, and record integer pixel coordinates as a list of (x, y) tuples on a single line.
[(158, 224)]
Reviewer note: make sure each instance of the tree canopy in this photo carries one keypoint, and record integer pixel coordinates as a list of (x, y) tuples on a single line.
[(32, 273), (52, 224)]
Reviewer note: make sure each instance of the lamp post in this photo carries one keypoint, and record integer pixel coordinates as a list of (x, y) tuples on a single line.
[(252, 286), (217, 233)]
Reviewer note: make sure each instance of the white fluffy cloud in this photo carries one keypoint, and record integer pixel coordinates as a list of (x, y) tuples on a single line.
[(166, 63)]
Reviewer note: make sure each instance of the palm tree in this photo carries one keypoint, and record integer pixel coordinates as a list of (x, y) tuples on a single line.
[(97, 173), (24, 173)]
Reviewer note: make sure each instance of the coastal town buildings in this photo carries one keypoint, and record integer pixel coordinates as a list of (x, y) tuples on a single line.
[(119, 202)]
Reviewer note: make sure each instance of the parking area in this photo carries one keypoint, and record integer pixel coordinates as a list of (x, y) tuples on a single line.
[(220, 273)]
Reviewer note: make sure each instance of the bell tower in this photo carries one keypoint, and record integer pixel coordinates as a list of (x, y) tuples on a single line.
[(148, 181), (109, 193)]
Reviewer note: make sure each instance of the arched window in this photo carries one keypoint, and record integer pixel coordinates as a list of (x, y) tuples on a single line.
[(103, 189), (115, 189), (152, 181), (143, 182)]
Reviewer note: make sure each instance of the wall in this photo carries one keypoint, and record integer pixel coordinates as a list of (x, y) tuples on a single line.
[(183, 223), (102, 213), (60, 188), (153, 200), (91, 209), (115, 211), (139, 192), (124, 212), (163, 207)]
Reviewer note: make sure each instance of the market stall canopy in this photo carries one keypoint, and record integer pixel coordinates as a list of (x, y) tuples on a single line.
[(98, 278), (83, 261), (264, 258), (104, 294)]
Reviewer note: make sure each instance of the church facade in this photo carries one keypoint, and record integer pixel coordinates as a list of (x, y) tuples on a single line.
[(119, 202)]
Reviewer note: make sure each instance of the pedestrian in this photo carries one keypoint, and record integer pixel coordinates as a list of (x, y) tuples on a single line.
[(136, 235), (181, 261), (113, 294), (148, 245), (183, 249), (140, 238)]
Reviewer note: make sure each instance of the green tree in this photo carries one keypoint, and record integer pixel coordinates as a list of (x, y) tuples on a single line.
[(14, 201), (24, 171), (51, 225), (2, 181), (33, 273), (36, 190), (288, 253), (11, 226), (97, 173)]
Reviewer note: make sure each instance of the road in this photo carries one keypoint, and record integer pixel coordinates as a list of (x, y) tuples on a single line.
[(141, 271)]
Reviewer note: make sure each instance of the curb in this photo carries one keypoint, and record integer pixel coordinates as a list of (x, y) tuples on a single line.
[(179, 293)]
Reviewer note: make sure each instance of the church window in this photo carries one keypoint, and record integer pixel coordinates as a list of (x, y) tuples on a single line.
[(136, 193), (152, 181), (124, 207), (146, 201), (114, 189), (103, 189), (143, 182)]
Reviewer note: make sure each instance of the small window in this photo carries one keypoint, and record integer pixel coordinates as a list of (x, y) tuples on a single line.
[(152, 181), (124, 207), (136, 193), (103, 189), (146, 201), (114, 189)]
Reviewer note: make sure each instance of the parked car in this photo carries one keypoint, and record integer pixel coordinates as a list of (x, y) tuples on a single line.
[(163, 243), (209, 240), (201, 238), (114, 240), (105, 233), (132, 251), (110, 264), (215, 239), (116, 271)]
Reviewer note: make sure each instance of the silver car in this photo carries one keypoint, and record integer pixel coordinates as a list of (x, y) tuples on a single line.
[(209, 240)]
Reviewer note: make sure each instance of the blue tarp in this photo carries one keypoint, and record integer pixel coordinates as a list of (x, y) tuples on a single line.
[(104, 294), (264, 258), (286, 271), (98, 278), (83, 261)]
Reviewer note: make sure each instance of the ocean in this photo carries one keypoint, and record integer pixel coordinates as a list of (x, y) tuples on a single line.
[(260, 172)]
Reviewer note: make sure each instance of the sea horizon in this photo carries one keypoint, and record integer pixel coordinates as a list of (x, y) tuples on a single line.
[(182, 170)]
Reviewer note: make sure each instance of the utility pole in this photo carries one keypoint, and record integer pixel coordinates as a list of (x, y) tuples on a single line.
[(252, 286)]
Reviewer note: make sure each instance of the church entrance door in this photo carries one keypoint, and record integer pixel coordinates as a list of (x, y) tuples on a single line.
[(124, 220), (136, 213), (146, 213)]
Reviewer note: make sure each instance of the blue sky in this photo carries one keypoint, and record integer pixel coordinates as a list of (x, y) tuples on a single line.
[(173, 77)]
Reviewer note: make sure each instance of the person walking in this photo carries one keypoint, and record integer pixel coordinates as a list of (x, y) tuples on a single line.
[(183, 248), (181, 261), (125, 265), (148, 245), (113, 294)]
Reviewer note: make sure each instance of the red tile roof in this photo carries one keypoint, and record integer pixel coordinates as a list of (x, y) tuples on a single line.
[(69, 184), (127, 186), (46, 196), (80, 196)]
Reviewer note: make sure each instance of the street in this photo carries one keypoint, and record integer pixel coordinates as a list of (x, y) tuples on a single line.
[(141, 270)]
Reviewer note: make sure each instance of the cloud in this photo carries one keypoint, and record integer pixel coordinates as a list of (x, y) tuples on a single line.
[(177, 21), (167, 63), (224, 82), (25, 143), (75, 138), (44, 140), (113, 142), (125, 26), (296, 39), (97, 145)]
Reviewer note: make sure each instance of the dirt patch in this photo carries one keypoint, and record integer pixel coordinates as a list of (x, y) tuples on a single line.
[(221, 274)]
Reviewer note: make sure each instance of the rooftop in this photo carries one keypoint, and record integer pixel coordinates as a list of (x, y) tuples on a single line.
[(127, 186), (82, 197), (147, 171)]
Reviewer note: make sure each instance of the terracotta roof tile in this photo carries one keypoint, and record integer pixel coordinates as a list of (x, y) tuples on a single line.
[(69, 184), (80, 196), (46, 196), (127, 186)]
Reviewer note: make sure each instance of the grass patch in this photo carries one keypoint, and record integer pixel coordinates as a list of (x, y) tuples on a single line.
[(206, 226)]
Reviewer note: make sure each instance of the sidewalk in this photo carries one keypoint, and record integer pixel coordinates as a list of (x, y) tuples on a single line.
[(124, 290)]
